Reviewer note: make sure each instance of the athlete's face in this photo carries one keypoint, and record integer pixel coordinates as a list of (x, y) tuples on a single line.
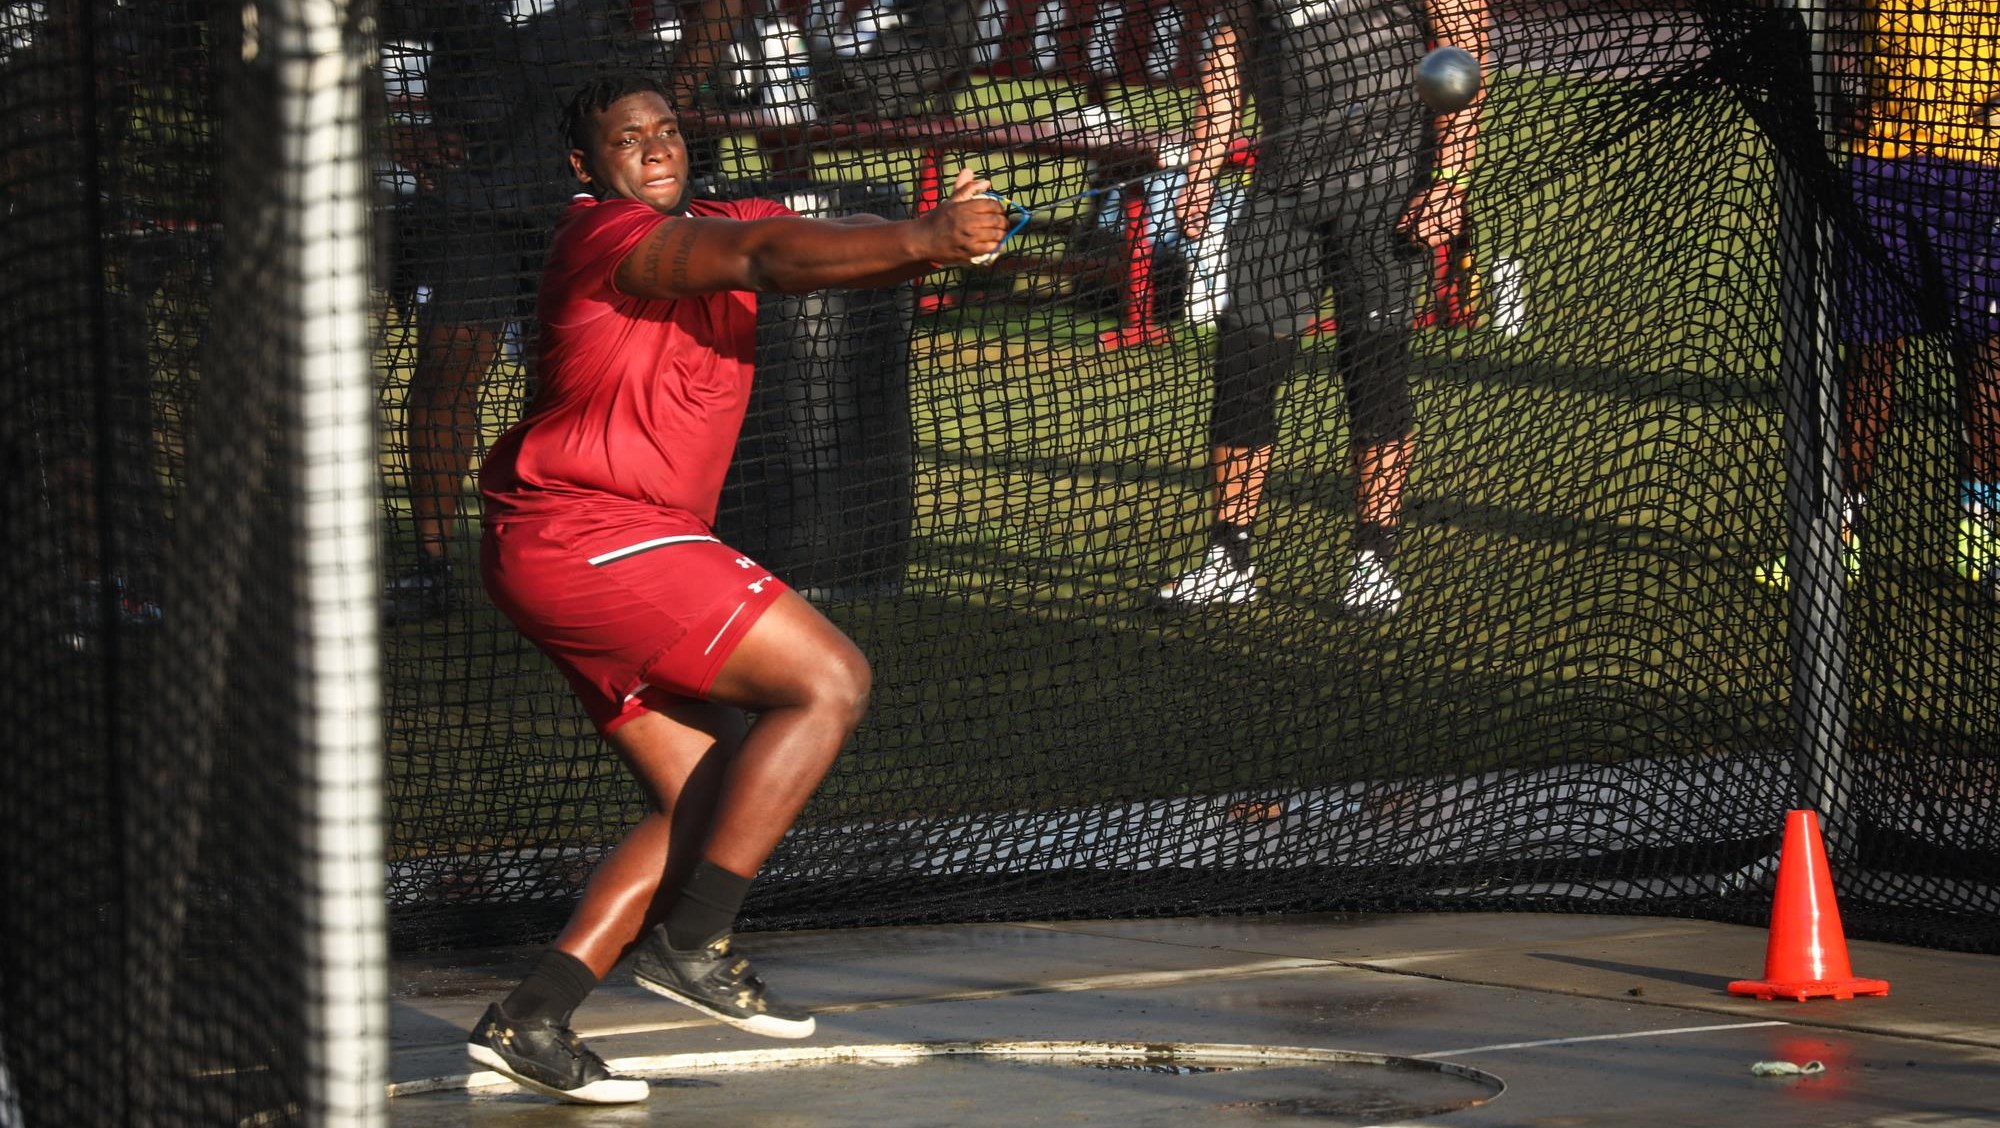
[(638, 153)]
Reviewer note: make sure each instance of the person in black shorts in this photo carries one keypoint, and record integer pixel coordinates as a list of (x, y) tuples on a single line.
[(489, 189), (1353, 180)]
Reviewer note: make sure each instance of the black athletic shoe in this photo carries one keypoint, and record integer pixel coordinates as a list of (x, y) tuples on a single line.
[(549, 1059), (719, 983), (423, 592)]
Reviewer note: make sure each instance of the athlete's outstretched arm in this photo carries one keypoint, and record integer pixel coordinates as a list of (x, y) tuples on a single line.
[(792, 254)]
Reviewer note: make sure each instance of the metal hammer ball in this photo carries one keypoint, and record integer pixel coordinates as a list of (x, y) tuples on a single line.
[(1448, 79)]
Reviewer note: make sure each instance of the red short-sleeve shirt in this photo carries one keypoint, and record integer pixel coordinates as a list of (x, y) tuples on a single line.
[(638, 401)]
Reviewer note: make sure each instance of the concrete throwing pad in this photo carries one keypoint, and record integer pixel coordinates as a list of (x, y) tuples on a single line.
[(971, 1084)]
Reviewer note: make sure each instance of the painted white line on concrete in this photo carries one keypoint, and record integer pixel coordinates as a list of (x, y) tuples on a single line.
[(1058, 1053), (1596, 1038), (1124, 981), (1428, 955)]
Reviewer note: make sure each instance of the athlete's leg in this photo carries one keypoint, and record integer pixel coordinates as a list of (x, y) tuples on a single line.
[(1374, 365), (673, 614), (678, 751), (809, 685), (1373, 358), (1375, 270)]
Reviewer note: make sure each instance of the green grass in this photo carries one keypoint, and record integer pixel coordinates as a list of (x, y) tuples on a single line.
[(1589, 503)]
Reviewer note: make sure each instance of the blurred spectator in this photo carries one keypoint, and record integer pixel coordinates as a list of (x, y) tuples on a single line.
[(1924, 172), (1353, 180), (891, 58), (487, 186)]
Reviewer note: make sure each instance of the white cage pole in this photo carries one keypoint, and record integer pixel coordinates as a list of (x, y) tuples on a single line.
[(320, 60)]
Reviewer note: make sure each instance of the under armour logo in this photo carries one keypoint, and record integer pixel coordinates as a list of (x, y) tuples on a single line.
[(745, 562), (758, 586)]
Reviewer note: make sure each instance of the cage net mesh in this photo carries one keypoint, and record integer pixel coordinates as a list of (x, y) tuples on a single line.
[(165, 942), (1685, 521), (1596, 693)]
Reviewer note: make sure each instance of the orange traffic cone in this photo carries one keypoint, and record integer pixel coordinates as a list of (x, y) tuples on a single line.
[(1806, 955)]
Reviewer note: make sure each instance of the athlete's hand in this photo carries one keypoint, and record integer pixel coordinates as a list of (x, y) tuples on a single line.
[(968, 224)]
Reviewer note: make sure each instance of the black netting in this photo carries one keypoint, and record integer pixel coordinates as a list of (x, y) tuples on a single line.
[(1651, 560), (1596, 692), (158, 965)]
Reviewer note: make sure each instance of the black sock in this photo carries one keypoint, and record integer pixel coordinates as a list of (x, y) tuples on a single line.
[(1378, 539), (1235, 539), (707, 907), (553, 989)]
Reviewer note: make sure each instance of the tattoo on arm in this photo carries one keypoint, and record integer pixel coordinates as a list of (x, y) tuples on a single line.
[(649, 261), (682, 253), (653, 254)]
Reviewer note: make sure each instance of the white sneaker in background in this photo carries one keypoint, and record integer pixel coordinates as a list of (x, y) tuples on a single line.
[(1217, 581), (1371, 588)]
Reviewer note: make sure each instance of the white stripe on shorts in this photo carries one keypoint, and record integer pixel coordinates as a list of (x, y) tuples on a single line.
[(725, 627), (644, 546)]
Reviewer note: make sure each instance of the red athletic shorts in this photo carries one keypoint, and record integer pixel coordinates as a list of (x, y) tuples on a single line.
[(628, 610)]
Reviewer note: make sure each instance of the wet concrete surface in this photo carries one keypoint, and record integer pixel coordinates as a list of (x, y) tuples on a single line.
[(963, 1090), (1388, 1019)]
